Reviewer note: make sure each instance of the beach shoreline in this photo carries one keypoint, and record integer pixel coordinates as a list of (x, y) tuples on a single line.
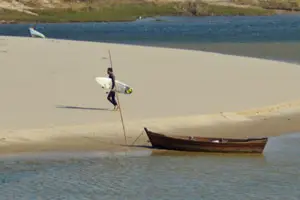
[(263, 122), (54, 104)]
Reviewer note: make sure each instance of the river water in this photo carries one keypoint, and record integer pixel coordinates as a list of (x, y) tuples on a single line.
[(159, 175), (272, 37), (149, 175)]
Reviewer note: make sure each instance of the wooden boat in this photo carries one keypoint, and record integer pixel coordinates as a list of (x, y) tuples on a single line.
[(205, 144)]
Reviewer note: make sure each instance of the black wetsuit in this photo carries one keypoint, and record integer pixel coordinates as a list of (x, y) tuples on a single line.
[(111, 95)]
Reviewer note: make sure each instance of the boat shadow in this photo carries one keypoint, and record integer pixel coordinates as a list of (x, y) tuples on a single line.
[(83, 108), (165, 152), (139, 146)]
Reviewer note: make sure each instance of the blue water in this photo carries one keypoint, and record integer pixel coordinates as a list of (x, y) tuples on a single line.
[(148, 175), (280, 28), (269, 37)]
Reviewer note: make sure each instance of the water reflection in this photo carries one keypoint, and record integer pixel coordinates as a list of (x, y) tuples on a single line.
[(155, 174)]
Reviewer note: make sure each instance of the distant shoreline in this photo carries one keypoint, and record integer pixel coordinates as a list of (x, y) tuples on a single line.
[(156, 18), (125, 12)]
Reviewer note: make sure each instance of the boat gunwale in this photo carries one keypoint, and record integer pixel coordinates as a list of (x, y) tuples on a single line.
[(209, 140)]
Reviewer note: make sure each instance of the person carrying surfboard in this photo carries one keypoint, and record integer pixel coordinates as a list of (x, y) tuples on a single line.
[(111, 97)]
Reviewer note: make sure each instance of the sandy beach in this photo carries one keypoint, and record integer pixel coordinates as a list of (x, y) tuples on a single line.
[(51, 101)]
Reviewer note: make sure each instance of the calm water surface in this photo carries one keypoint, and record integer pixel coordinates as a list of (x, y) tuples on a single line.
[(271, 37), (146, 175), (280, 28)]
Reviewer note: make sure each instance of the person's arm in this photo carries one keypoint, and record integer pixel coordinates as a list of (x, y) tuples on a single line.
[(113, 82)]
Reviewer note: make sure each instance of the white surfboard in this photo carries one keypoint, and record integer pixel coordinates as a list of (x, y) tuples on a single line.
[(106, 82), (35, 33)]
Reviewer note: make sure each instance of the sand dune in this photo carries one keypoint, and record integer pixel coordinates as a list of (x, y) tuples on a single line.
[(48, 92)]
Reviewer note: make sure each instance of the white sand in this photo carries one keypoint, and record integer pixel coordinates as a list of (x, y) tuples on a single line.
[(40, 76)]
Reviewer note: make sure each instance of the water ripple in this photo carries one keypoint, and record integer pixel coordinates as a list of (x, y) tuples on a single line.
[(203, 176)]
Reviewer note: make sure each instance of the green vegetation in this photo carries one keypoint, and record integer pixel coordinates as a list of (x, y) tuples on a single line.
[(204, 9), (126, 11), (284, 5)]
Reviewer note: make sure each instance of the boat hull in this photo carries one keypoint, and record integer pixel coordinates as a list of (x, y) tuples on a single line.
[(198, 144)]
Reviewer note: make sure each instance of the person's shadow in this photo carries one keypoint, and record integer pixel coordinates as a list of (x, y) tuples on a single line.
[(82, 108)]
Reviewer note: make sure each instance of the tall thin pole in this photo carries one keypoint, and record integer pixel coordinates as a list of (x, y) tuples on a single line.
[(120, 110)]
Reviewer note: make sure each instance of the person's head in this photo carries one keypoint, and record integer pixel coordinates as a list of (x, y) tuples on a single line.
[(109, 70)]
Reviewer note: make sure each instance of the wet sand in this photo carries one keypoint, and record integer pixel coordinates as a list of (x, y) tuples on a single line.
[(281, 51), (50, 100)]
